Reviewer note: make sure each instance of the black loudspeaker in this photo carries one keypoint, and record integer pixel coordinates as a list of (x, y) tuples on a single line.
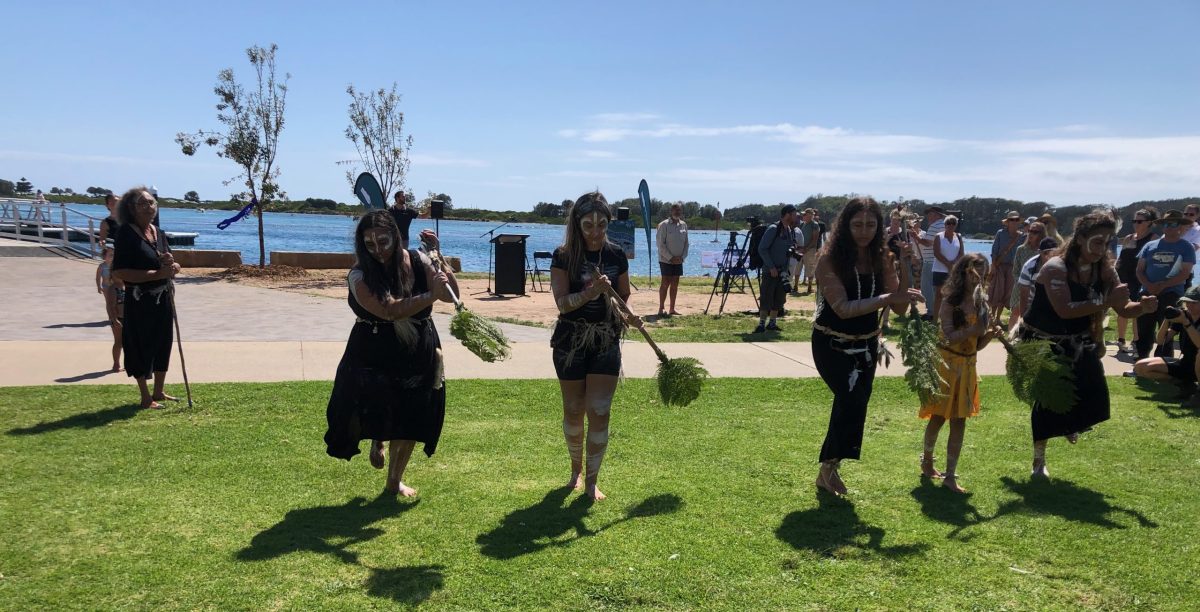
[(622, 213), (437, 209)]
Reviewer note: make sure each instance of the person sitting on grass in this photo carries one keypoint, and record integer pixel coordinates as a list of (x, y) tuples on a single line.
[(966, 328), (113, 291), (1182, 371)]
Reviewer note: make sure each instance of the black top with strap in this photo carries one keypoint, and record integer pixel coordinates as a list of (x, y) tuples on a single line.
[(1041, 315), (420, 285), (867, 285)]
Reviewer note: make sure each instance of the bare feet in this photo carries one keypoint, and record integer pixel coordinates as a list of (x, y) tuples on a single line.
[(835, 480), (594, 492), (376, 454), (952, 483), (161, 397), (675, 313), (396, 487), (151, 404), (927, 469), (828, 480), (116, 367), (576, 481), (1039, 470)]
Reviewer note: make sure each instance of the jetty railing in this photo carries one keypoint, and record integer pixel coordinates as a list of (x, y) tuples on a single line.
[(48, 223)]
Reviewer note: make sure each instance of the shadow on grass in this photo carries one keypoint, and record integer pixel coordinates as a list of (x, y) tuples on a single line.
[(409, 585), (71, 325), (833, 529), (945, 506), (548, 523), (1168, 396), (1067, 500), (329, 530), (86, 420)]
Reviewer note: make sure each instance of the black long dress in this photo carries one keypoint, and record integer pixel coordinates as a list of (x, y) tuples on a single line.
[(1091, 389), (387, 388), (848, 369), (146, 331)]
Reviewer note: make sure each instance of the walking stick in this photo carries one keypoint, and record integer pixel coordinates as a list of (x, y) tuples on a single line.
[(179, 344)]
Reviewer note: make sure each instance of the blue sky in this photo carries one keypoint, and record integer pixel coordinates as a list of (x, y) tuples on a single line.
[(511, 103)]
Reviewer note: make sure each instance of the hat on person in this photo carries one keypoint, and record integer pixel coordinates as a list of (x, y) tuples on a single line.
[(1047, 244), (1047, 218), (1030, 220), (935, 209), (810, 211), (1192, 295), (1172, 216), (1012, 216), (787, 209)]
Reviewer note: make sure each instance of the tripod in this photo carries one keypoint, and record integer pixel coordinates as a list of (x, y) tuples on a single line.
[(731, 273), (491, 246)]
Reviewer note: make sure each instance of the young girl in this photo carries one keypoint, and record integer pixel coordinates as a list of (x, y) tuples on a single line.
[(113, 290), (965, 324)]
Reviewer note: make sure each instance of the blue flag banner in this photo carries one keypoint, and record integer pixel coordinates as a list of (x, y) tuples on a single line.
[(644, 194), (367, 189)]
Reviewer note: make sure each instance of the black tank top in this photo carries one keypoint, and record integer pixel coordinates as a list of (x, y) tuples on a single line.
[(420, 285), (1041, 314), (862, 324)]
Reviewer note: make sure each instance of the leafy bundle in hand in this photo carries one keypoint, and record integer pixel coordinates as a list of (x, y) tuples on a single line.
[(479, 335), (679, 380), (1038, 374), (919, 349)]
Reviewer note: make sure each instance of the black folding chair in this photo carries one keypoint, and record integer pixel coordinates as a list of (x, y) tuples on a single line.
[(535, 273)]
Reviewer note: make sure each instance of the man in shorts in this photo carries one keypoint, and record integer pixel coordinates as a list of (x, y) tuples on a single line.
[(775, 247)]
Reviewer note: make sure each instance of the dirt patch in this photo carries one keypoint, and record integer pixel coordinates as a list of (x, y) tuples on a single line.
[(535, 306), (270, 271)]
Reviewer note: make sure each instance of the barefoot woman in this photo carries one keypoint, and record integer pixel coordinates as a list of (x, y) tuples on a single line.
[(389, 384), (587, 337), (856, 280)]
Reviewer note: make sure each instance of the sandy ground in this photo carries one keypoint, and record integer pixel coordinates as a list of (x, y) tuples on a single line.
[(534, 306)]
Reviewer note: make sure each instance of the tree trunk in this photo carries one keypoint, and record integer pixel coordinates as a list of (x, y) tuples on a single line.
[(262, 249)]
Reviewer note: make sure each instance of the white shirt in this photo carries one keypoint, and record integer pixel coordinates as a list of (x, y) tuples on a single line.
[(926, 252), (949, 250), (1192, 235), (671, 239)]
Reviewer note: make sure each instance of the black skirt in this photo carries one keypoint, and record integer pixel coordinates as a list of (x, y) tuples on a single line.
[(146, 330), (386, 389), (1091, 394)]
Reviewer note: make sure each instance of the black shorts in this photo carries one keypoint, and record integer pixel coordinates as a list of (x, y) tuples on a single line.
[(1182, 369), (939, 278), (773, 290), (670, 269), (584, 362)]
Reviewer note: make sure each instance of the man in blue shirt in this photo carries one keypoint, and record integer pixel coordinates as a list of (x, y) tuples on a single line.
[(1164, 265)]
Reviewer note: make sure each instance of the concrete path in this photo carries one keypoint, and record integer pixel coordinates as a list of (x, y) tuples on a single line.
[(54, 331)]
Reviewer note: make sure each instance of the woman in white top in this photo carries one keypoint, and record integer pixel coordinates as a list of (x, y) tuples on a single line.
[(947, 249)]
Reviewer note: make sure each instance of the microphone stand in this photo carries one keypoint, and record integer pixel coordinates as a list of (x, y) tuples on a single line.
[(491, 245)]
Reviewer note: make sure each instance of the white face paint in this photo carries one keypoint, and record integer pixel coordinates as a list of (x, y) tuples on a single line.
[(1093, 249), (594, 227), (379, 243)]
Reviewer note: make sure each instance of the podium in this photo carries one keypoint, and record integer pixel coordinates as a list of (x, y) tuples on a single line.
[(510, 263)]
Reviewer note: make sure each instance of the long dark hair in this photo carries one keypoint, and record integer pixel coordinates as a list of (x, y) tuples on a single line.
[(1092, 223), (384, 280), (841, 244), (955, 289), (573, 245)]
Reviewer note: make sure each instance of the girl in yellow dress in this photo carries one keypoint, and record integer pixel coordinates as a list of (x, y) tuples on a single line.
[(965, 327)]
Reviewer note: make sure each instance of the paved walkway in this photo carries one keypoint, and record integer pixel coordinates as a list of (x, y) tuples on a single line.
[(54, 331)]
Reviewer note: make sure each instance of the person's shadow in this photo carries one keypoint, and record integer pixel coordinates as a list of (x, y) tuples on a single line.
[(86, 376), (330, 530), (1166, 395), (86, 420), (407, 585), (945, 506), (71, 325), (547, 523), (1067, 500), (834, 526)]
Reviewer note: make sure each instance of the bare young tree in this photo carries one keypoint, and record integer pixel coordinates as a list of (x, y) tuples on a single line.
[(377, 131), (252, 120)]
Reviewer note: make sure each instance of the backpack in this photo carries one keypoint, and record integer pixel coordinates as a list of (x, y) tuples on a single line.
[(756, 235)]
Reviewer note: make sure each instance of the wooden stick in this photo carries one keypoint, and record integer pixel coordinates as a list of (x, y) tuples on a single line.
[(612, 293), (179, 344)]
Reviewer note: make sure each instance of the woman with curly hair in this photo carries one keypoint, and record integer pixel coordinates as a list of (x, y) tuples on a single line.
[(856, 279), (966, 328), (1072, 291), (389, 383), (587, 338)]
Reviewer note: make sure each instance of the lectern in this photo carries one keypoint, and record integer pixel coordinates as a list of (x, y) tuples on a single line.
[(510, 263)]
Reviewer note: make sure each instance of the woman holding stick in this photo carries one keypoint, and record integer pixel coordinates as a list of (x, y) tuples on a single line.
[(1072, 291), (587, 337), (389, 383), (143, 261), (856, 280)]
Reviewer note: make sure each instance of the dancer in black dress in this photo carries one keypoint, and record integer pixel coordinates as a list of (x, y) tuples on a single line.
[(1072, 291), (856, 278), (390, 383), (144, 262), (587, 337)]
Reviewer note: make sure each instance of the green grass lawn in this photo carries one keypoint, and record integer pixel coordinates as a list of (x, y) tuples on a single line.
[(234, 505)]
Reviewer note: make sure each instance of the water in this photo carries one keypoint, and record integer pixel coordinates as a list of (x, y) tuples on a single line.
[(467, 240)]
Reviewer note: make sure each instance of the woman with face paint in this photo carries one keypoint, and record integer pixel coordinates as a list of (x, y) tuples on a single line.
[(587, 337), (1072, 291), (389, 383), (857, 279)]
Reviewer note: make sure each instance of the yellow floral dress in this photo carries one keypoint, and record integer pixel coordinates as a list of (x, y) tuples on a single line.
[(960, 382)]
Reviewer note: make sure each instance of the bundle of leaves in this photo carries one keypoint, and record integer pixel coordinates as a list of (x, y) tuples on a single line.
[(921, 357), (1038, 374), (679, 380), (479, 335)]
